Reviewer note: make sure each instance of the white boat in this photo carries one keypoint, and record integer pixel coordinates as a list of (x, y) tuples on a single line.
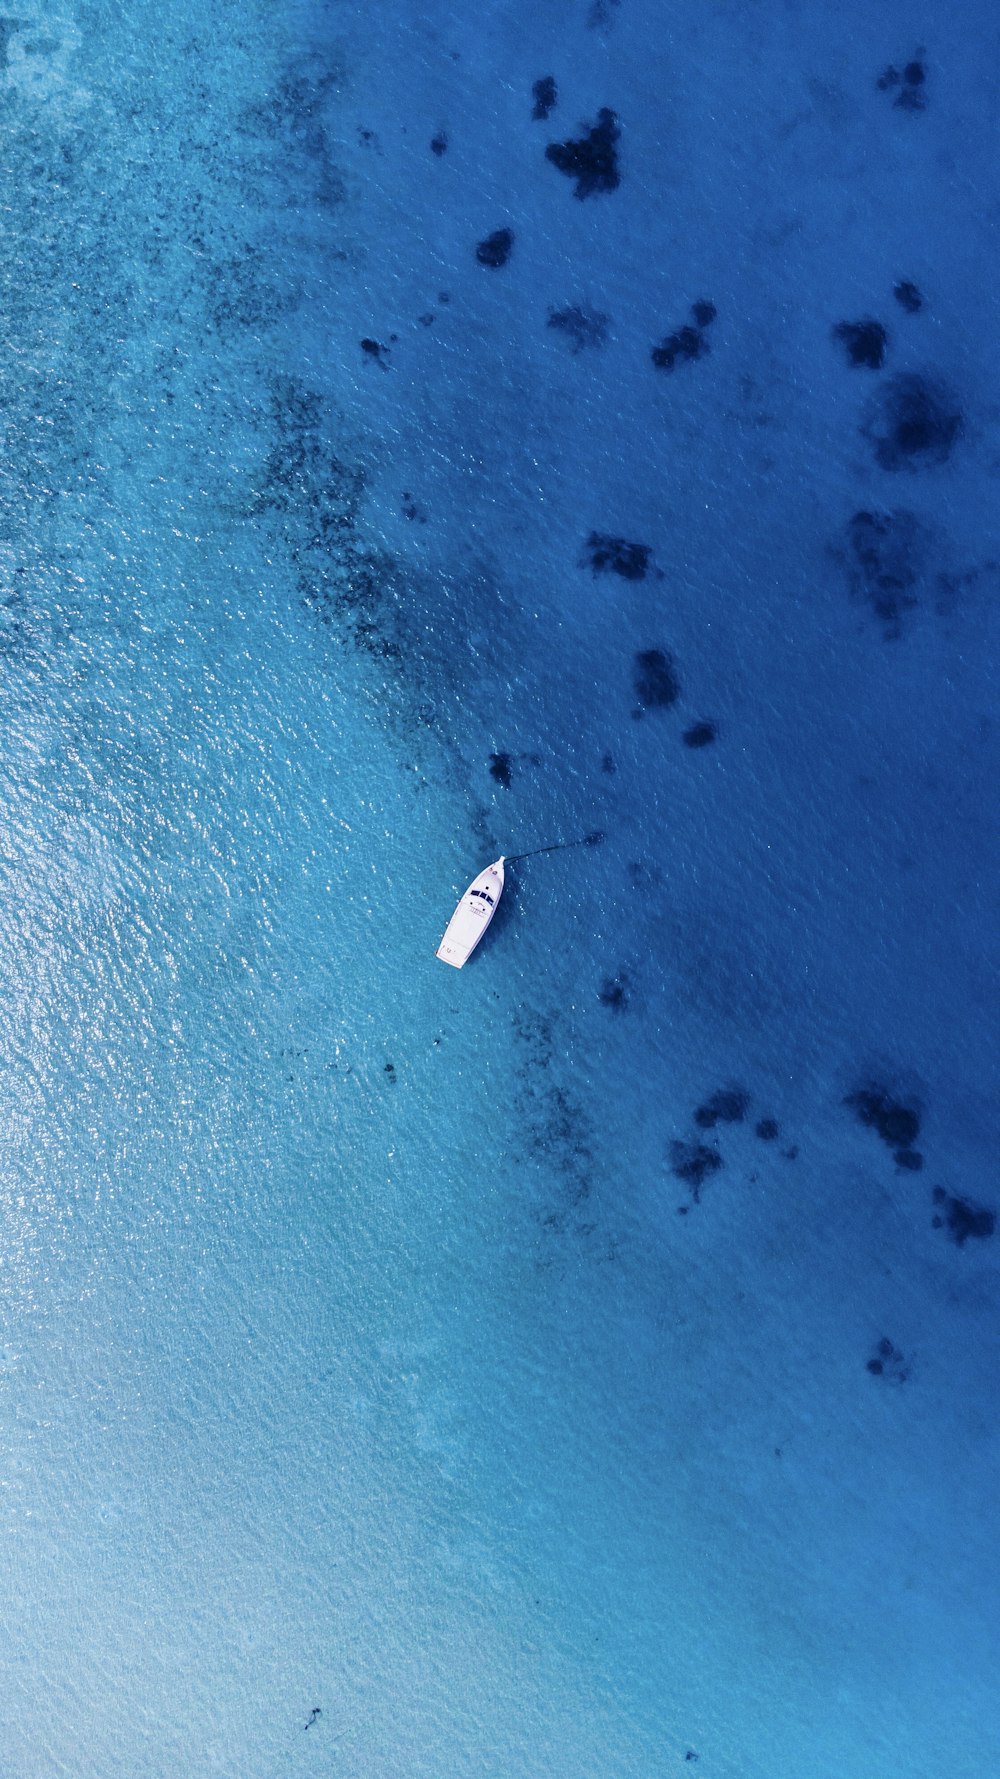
[(472, 916)]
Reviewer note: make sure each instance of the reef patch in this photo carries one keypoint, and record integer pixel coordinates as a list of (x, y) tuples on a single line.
[(604, 554), (913, 423), (580, 327), (864, 342), (887, 1362), (908, 296), (885, 555), (495, 250), (545, 97), (897, 1124), (961, 1218), (700, 735), (591, 159), (614, 992), (654, 678), (694, 1163), (727, 1106)]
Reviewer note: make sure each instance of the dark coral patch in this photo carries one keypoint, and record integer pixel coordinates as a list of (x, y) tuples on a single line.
[(544, 95), (728, 1106), (246, 289), (913, 423), (439, 143), (581, 327), (315, 498), (864, 342), (495, 250), (8, 27), (374, 350), (683, 346), (615, 555), (614, 992), (909, 1160), (961, 1218), (655, 679), (887, 1361), (687, 342), (694, 1163), (699, 735), (908, 296), (643, 877), (592, 160), (500, 769), (911, 95), (766, 1129), (896, 1123), (885, 556)]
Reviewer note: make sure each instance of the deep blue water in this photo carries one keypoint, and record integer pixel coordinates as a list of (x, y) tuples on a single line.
[(584, 1364)]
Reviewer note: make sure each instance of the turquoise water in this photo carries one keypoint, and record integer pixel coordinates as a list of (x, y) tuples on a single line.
[(463, 1357)]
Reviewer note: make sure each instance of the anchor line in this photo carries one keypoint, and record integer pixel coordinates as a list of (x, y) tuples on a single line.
[(593, 839)]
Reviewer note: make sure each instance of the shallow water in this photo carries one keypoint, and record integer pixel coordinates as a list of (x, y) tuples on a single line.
[(441, 1350)]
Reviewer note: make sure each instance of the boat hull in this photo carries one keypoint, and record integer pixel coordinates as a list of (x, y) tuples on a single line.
[(472, 916)]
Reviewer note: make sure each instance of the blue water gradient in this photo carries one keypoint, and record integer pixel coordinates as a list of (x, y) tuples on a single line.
[(584, 1364)]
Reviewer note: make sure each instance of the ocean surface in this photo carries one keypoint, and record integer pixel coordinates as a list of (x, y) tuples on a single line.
[(432, 433)]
